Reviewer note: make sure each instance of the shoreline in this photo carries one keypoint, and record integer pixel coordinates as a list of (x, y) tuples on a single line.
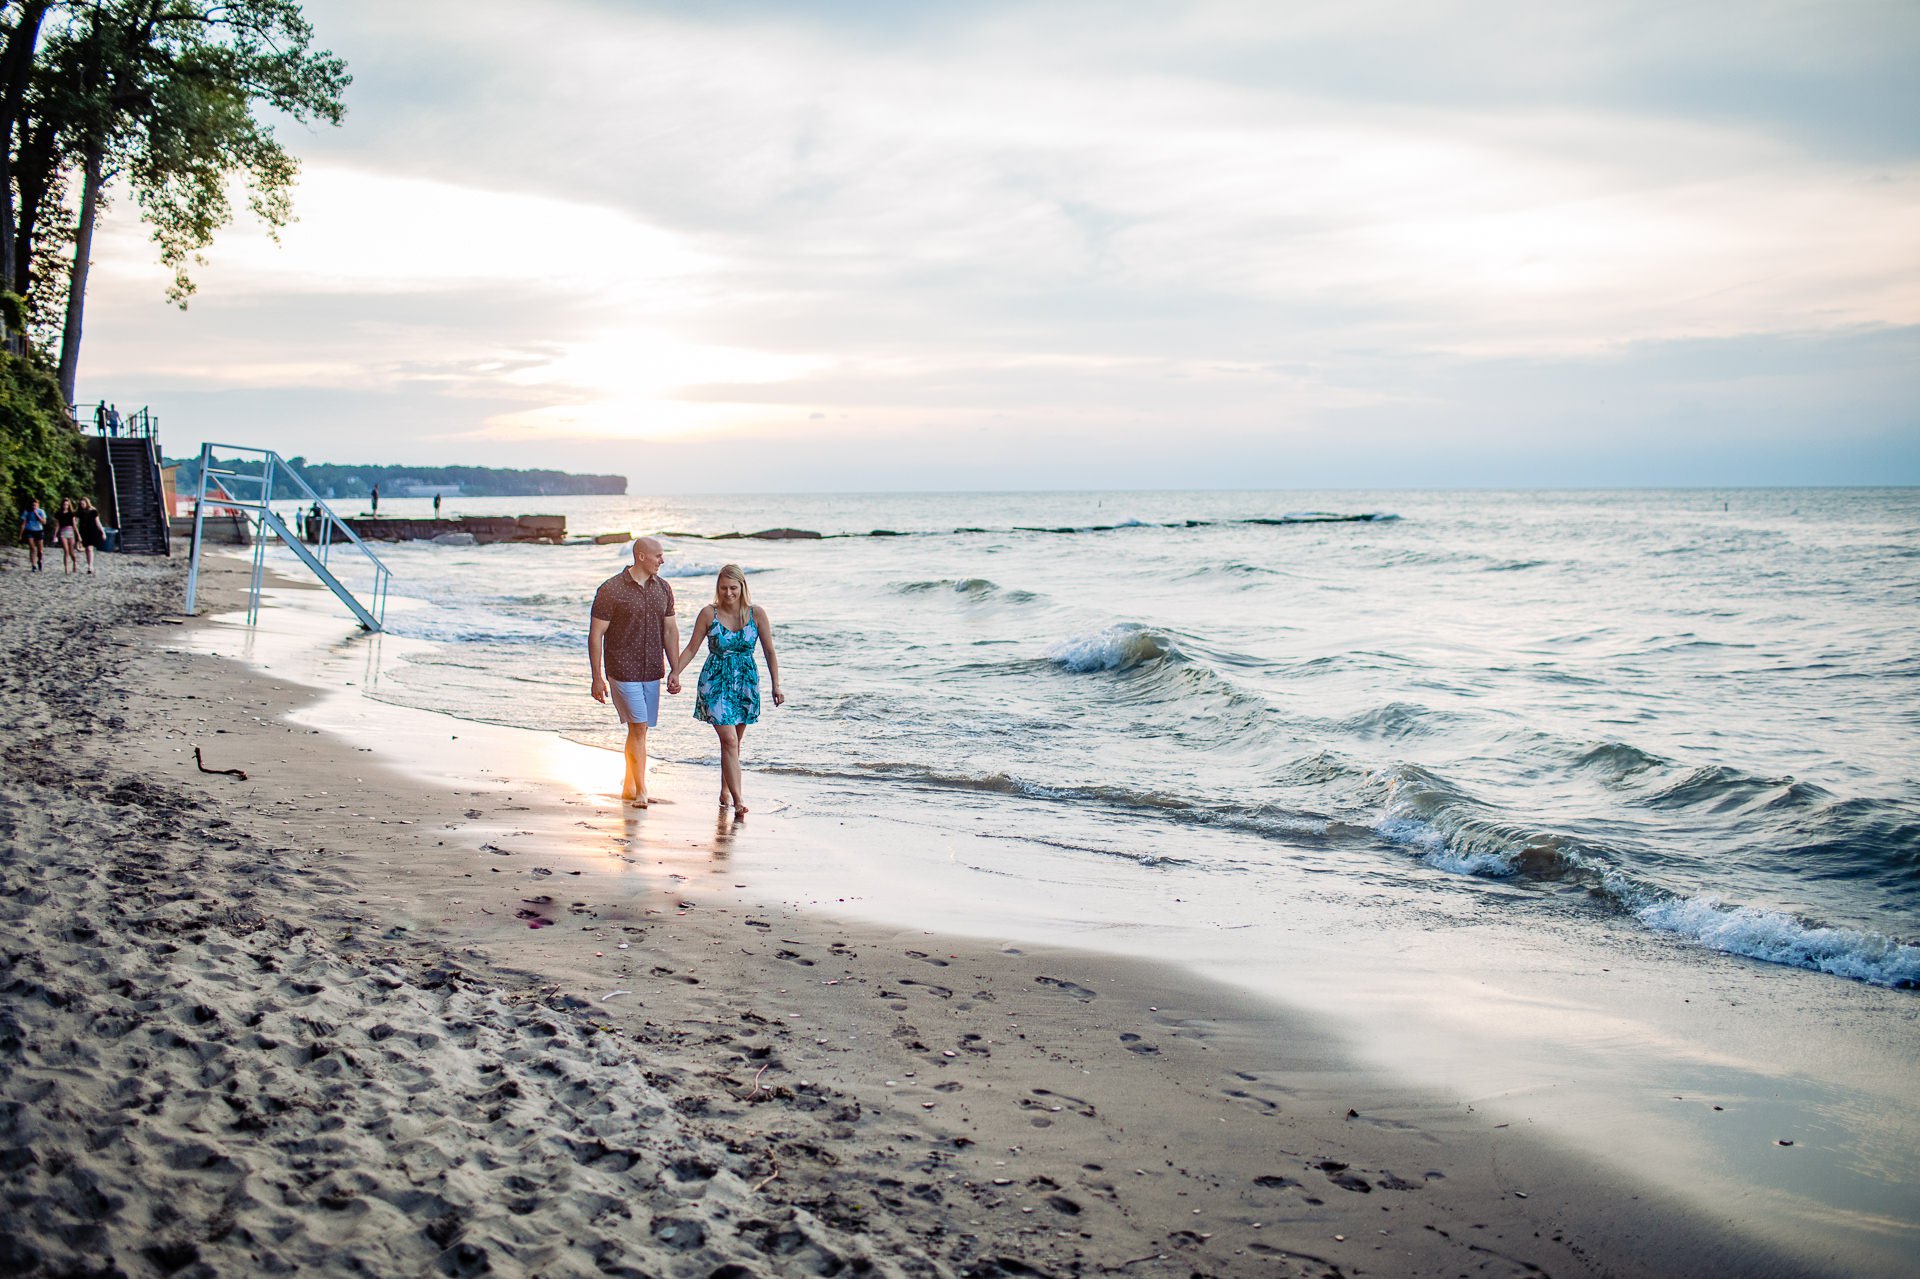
[(766, 1083), (1710, 1078)]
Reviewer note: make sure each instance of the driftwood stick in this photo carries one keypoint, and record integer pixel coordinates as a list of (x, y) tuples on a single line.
[(230, 772)]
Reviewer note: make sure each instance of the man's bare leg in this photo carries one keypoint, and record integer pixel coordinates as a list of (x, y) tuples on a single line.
[(634, 790)]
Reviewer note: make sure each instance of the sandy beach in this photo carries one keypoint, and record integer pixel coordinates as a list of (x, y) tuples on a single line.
[(342, 1016)]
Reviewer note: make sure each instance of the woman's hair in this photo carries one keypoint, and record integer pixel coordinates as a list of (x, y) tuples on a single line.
[(733, 571), (65, 502)]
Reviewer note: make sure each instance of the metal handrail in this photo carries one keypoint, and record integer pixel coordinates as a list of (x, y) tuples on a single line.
[(159, 494), (372, 618), (139, 424), (113, 485)]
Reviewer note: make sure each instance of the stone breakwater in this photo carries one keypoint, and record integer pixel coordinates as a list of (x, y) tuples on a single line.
[(480, 529)]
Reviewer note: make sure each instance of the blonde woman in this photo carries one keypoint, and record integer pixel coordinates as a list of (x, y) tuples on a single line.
[(729, 688)]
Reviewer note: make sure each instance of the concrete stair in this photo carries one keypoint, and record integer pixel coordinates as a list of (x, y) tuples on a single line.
[(136, 488)]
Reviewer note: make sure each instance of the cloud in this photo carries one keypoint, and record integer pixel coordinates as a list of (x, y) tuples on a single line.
[(712, 223)]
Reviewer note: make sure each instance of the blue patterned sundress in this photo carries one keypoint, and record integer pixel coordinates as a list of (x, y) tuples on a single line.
[(729, 689)]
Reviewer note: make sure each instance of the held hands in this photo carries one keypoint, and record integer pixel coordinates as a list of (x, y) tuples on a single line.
[(673, 682)]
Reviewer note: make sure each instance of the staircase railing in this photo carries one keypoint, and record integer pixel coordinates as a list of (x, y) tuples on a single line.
[(107, 420), (113, 486), (255, 494), (151, 446)]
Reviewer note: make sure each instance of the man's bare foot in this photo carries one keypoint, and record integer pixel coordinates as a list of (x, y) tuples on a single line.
[(638, 801), (739, 809)]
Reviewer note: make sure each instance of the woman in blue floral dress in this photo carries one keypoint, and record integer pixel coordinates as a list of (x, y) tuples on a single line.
[(729, 688)]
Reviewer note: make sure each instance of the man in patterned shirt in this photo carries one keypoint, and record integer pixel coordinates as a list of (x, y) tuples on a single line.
[(630, 643)]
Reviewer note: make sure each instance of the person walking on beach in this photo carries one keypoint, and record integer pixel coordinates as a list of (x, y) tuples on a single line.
[(729, 688), (67, 535), (93, 536), (632, 636), (33, 531)]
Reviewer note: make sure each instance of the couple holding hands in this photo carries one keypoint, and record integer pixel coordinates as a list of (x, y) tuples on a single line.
[(633, 644)]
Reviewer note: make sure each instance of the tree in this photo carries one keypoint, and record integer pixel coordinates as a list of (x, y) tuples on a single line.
[(163, 93), (21, 37)]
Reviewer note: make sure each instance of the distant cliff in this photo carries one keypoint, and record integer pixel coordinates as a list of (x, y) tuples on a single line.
[(331, 480)]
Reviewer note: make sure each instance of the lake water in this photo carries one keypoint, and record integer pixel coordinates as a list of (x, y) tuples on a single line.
[(1694, 711)]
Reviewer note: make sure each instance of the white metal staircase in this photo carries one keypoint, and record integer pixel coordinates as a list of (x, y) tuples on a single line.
[(255, 495)]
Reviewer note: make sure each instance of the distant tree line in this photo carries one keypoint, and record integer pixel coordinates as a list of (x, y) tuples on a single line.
[(331, 480)]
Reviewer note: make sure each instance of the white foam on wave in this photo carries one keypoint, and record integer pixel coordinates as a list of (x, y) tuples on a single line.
[(673, 569), (1781, 939), (1113, 648), (1434, 850)]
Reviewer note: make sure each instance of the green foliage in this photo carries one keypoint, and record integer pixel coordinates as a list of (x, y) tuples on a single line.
[(41, 455), (187, 92), (177, 99)]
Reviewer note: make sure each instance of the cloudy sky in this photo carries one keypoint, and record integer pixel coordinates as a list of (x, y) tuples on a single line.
[(880, 244)]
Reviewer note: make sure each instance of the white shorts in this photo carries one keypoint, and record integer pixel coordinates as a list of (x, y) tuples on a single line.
[(637, 700)]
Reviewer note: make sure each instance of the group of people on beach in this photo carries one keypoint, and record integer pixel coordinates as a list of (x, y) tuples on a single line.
[(75, 526), (633, 647)]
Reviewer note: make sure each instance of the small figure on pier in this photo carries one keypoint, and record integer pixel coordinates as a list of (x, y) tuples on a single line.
[(436, 506), (376, 499)]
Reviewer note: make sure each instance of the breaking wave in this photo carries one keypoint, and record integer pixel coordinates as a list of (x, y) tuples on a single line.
[(1121, 647), (1779, 938)]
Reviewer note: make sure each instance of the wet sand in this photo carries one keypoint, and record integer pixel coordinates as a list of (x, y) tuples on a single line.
[(339, 1016)]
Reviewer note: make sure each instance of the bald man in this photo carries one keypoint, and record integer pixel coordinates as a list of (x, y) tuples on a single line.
[(630, 643)]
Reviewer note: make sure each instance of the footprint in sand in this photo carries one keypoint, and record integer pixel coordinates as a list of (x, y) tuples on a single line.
[(941, 991), (1067, 987), (793, 956), (1079, 1104), (926, 958), (1337, 1173), (680, 1235)]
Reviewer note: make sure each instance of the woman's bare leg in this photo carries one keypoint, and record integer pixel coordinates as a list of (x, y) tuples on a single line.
[(729, 735), (739, 750)]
